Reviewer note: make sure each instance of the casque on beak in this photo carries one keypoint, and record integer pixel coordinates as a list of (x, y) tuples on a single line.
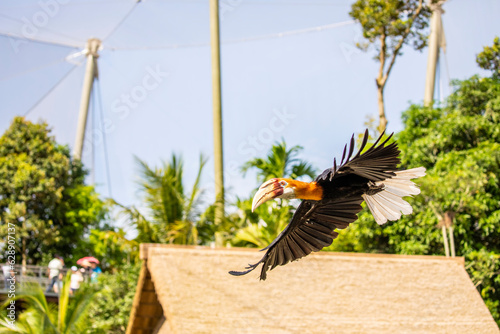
[(268, 190)]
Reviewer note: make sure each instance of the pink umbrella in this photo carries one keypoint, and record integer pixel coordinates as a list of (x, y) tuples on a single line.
[(87, 259)]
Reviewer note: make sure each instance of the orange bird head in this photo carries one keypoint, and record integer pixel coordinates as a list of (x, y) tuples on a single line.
[(286, 189)]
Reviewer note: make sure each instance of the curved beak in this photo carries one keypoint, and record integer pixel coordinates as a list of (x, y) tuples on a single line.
[(268, 190)]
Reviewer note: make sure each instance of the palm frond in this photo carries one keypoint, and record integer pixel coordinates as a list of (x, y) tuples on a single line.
[(195, 191), (280, 161), (33, 295), (76, 316), (171, 212), (63, 305)]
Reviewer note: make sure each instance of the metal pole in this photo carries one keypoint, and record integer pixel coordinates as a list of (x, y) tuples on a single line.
[(217, 111), (93, 45), (434, 41)]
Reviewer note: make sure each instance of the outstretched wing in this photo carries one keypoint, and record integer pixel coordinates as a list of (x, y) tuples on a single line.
[(376, 164), (312, 227)]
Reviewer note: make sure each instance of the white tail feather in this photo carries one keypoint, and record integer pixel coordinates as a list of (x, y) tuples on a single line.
[(389, 203)]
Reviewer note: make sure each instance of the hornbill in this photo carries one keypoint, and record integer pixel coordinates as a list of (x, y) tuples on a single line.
[(334, 198)]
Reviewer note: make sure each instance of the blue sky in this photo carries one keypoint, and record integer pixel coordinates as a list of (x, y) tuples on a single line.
[(312, 88)]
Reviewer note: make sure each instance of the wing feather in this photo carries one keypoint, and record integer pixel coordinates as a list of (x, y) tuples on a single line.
[(312, 228), (351, 148), (376, 164)]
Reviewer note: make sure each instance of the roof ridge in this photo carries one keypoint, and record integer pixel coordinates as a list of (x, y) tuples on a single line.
[(146, 248)]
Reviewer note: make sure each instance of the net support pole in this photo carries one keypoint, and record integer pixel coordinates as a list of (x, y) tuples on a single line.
[(217, 111), (434, 42), (93, 46)]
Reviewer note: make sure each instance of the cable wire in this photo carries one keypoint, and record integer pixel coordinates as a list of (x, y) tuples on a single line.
[(92, 129), (240, 40), (83, 3), (34, 69), (122, 20), (265, 2), (50, 91), (104, 140), (445, 56), (38, 40)]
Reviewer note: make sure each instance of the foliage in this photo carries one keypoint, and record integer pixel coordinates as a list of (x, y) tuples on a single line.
[(43, 192), (484, 270), (111, 308), (280, 162), (113, 247), (397, 21), (489, 58), (220, 234), (388, 25), (70, 316), (172, 214)]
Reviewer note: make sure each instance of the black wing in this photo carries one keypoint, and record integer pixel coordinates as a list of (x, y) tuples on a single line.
[(376, 164), (312, 227)]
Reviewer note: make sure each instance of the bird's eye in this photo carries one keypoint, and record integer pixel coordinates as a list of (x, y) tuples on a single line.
[(283, 183)]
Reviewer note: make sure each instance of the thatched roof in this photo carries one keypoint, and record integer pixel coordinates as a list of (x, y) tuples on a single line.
[(322, 293)]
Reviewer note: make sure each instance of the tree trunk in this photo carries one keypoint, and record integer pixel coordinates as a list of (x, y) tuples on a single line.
[(449, 216), (445, 241), (452, 241), (381, 109)]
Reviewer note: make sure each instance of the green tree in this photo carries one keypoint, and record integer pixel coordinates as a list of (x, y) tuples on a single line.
[(42, 193), (459, 145), (38, 316), (489, 58), (388, 25), (171, 214), (113, 247), (260, 228)]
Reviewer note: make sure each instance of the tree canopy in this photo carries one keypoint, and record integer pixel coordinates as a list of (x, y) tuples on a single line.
[(460, 146), (489, 58), (388, 25), (43, 193)]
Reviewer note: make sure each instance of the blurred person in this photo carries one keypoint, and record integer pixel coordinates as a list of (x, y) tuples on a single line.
[(85, 274), (58, 285), (86, 270), (76, 279), (55, 266), (96, 271)]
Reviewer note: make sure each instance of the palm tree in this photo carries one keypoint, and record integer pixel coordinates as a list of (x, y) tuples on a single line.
[(171, 213), (263, 226), (280, 162), (147, 230), (44, 318)]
